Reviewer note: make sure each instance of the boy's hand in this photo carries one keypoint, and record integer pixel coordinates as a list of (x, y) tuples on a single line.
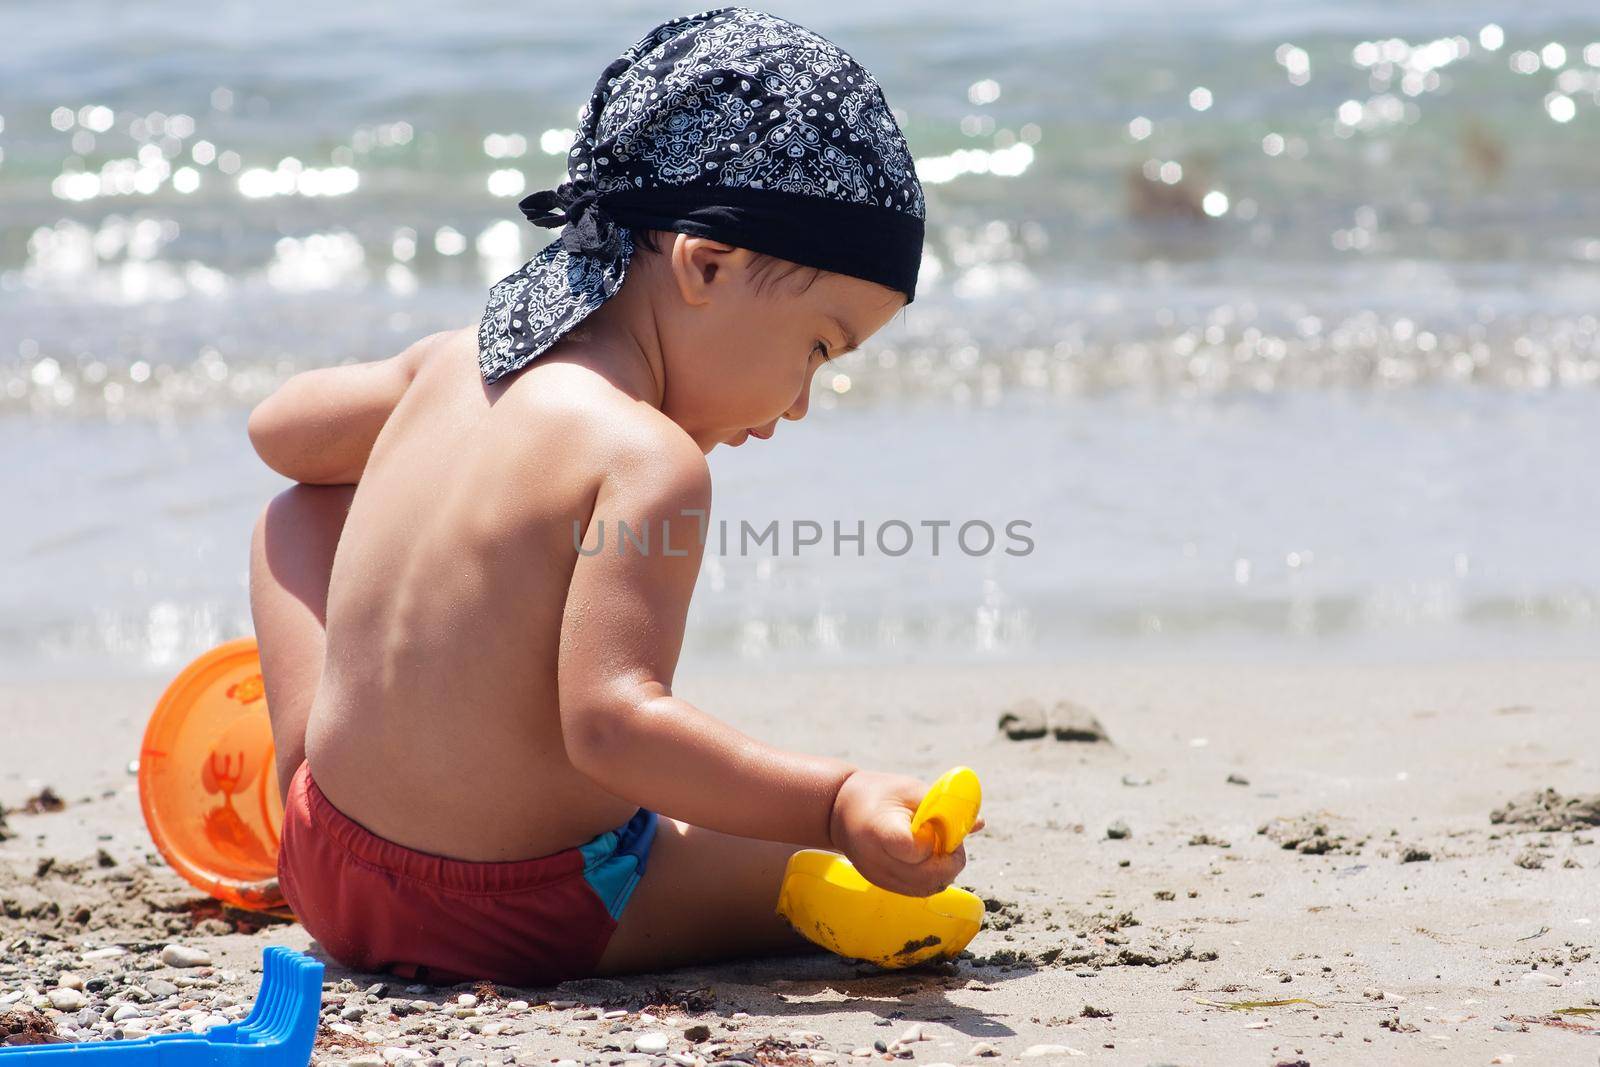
[(871, 825)]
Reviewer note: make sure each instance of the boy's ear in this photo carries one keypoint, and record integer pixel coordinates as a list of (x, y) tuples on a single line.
[(701, 266)]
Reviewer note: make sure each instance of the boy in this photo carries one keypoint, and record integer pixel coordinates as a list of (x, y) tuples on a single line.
[(474, 719)]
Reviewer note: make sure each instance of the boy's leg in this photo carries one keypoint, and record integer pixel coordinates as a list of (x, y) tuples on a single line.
[(291, 556), (704, 896)]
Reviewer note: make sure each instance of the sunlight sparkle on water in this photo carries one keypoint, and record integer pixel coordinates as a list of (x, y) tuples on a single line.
[(292, 178), (1296, 62), (504, 145), (556, 142), (506, 182), (1004, 162), (986, 91)]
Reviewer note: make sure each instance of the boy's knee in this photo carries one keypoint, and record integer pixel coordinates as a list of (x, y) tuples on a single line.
[(308, 517)]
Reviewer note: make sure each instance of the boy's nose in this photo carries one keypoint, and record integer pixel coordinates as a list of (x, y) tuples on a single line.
[(797, 410)]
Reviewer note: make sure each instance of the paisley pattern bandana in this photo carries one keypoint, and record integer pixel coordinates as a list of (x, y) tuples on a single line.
[(733, 125)]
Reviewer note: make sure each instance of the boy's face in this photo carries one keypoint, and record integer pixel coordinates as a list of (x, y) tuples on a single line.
[(742, 353)]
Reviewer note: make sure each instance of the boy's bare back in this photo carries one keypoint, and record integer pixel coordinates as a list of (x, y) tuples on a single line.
[(446, 600)]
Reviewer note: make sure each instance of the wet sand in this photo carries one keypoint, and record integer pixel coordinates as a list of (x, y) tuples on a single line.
[(1320, 836)]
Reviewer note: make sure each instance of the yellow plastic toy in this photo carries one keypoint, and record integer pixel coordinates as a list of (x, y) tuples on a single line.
[(207, 781), (827, 900)]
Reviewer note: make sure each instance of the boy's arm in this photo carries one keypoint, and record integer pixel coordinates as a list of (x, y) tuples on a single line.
[(319, 426), (621, 636)]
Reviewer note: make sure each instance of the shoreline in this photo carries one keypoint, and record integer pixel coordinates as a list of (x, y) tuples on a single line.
[(1125, 949)]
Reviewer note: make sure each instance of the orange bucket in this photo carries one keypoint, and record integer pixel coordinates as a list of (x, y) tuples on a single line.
[(208, 783)]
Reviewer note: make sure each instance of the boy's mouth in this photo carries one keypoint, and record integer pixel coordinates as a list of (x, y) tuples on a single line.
[(745, 434)]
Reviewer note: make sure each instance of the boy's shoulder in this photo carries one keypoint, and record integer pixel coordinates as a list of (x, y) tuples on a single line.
[(619, 437)]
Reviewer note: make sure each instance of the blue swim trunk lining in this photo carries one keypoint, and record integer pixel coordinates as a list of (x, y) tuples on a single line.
[(614, 862)]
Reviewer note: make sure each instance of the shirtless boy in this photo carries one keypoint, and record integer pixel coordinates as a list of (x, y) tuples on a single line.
[(475, 721)]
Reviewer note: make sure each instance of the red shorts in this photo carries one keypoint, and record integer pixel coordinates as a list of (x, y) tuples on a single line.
[(377, 906)]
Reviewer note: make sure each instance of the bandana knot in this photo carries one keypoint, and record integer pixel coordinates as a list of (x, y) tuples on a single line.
[(588, 230)]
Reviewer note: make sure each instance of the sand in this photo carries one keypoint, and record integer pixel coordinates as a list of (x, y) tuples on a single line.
[(1320, 836)]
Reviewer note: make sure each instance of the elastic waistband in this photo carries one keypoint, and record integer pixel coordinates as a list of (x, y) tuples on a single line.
[(478, 877)]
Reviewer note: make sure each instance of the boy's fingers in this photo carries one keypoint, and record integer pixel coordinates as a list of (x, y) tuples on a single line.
[(943, 869), (902, 881), (931, 875), (904, 846)]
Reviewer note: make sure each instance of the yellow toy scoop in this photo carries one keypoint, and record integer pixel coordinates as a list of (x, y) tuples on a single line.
[(949, 809), (827, 900)]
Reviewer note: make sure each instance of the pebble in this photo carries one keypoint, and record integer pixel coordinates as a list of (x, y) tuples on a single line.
[(697, 1032), (912, 1033), (1540, 978), (1024, 721), (1073, 722), (184, 956), (983, 1048), (160, 987), (518, 1005), (1034, 1051), (66, 999), (467, 1000), (805, 1037), (124, 1013), (68, 980), (1116, 832), (652, 1044), (560, 1005)]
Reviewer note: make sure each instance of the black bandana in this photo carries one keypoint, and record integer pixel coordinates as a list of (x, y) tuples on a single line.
[(733, 125)]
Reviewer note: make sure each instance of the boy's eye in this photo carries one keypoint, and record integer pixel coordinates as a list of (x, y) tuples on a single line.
[(822, 346)]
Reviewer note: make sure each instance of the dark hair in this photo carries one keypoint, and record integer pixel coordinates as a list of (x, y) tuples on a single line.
[(766, 269)]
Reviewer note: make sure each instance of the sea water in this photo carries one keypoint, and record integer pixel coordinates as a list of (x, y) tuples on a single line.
[(1274, 328)]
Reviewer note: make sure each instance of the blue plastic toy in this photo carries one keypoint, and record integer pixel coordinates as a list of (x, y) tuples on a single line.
[(278, 1032)]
